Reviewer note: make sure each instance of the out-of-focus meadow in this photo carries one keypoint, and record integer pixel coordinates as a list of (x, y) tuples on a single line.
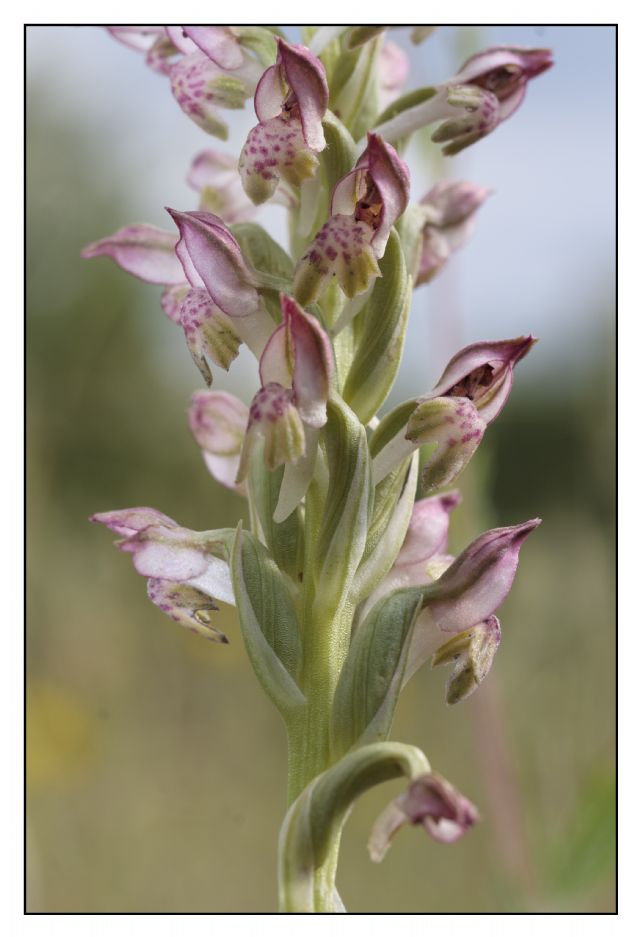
[(156, 768)]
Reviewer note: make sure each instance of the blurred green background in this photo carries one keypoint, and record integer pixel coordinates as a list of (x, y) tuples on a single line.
[(156, 768)]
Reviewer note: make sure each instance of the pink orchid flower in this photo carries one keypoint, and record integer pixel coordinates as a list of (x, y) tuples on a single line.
[(291, 100), (365, 205)]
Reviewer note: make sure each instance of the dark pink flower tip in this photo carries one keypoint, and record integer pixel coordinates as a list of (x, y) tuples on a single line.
[(305, 75), (211, 256), (483, 373), (479, 580), (503, 70), (390, 175), (434, 803), (431, 802), (313, 362)]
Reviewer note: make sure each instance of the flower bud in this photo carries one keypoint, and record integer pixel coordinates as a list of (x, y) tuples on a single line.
[(129, 521), (479, 580), (472, 654), (431, 802), (143, 250)]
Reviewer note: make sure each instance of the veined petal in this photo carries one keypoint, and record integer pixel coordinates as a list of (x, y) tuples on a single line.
[(390, 175), (209, 332), (275, 149), (342, 248), (180, 40), (273, 416), (207, 247), (129, 521), (312, 362), (143, 250), (483, 374), (277, 359), (477, 583), (166, 553), (187, 606), (456, 429), (305, 76), (270, 94), (218, 43)]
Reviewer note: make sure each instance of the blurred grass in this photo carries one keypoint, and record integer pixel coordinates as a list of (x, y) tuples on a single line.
[(156, 767)]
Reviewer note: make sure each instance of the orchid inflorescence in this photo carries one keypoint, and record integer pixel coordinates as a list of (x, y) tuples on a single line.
[(343, 584)]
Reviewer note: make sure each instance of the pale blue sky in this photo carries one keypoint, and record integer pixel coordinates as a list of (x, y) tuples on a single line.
[(542, 259)]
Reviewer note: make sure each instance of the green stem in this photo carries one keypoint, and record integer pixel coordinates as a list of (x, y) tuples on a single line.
[(311, 832)]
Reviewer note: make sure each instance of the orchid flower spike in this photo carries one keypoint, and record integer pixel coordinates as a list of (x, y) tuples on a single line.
[(365, 205), (449, 212), (431, 802), (290, 101), (185, 572), (452, 418), (488, 89)]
